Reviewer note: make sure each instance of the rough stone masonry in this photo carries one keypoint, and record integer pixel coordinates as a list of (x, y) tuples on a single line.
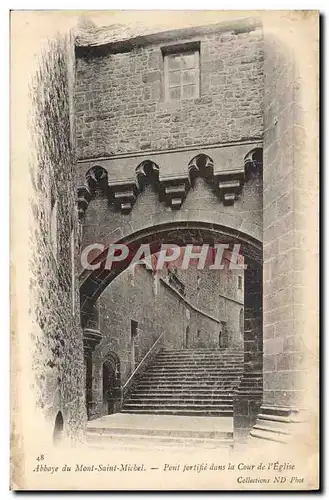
[(112, 115)]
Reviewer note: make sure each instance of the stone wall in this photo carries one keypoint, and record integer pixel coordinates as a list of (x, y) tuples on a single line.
[(120, 97), (59, 378), (290, 202), (140, 295), (104, 224), (217, 293), (278, 223)]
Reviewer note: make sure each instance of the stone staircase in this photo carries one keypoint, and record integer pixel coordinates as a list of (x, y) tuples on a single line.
[(129, 432), (195, 382), (276, 424)]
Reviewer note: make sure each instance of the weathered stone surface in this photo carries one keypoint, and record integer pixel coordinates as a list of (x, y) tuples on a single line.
[(57, 358), (229, 107)]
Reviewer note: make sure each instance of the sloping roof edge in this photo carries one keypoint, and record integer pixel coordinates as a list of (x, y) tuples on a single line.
[(120, 38)]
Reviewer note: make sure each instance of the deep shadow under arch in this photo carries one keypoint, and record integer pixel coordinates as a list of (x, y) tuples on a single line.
[(249, 394), (93, 283)]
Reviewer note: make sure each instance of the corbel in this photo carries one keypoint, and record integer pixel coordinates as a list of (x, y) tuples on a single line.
[(174, 190), (123, 194)]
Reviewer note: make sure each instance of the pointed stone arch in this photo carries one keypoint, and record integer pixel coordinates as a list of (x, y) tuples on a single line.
[(253, 162), (96, 176), (147, 172)]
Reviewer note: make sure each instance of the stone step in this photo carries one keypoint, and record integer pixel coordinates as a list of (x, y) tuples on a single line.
[(274, 418), (196, 357), (277, 411), (184, 401), (163, 432), (199, 363), (176, 406), (269, 435), (204, 360), (194, 380), (270, 427), (184, 394), (208, 379), (210, 355), (192, 375), (190, 353), (196, 368), (200, 351), (192, 369), (224, 388), (188, 382), (187, 388), (205, 357), (188, 412), (137, 442)]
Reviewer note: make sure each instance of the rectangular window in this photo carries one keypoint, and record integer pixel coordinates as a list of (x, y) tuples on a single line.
[(239, 283), (182, 75), (133, 328)]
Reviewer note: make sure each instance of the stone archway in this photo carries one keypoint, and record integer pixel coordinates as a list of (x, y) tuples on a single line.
[(189, 197), (180, 233)]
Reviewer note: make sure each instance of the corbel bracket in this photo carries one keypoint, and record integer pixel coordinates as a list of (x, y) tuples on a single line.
[(174, 190), (123, 194), (229, 185)]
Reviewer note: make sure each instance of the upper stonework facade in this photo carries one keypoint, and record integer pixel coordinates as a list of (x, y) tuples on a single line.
[(162, 91)]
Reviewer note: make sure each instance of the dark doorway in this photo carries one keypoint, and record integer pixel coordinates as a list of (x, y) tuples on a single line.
[(58, 429), (109, 382)]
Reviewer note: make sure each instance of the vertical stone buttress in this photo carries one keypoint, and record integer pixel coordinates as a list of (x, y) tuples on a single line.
[(290, 241)]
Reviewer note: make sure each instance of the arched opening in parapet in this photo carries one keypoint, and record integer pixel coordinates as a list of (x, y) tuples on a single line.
[(147, 173), (200, 166), (58, 429)]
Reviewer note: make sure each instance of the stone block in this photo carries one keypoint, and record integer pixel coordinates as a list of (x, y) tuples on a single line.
[(151, 77)]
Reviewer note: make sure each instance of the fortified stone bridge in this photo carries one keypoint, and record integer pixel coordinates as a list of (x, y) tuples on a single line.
[(205, 195)]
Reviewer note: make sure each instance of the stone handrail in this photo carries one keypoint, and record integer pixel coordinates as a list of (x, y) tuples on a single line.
[(142, 361)]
